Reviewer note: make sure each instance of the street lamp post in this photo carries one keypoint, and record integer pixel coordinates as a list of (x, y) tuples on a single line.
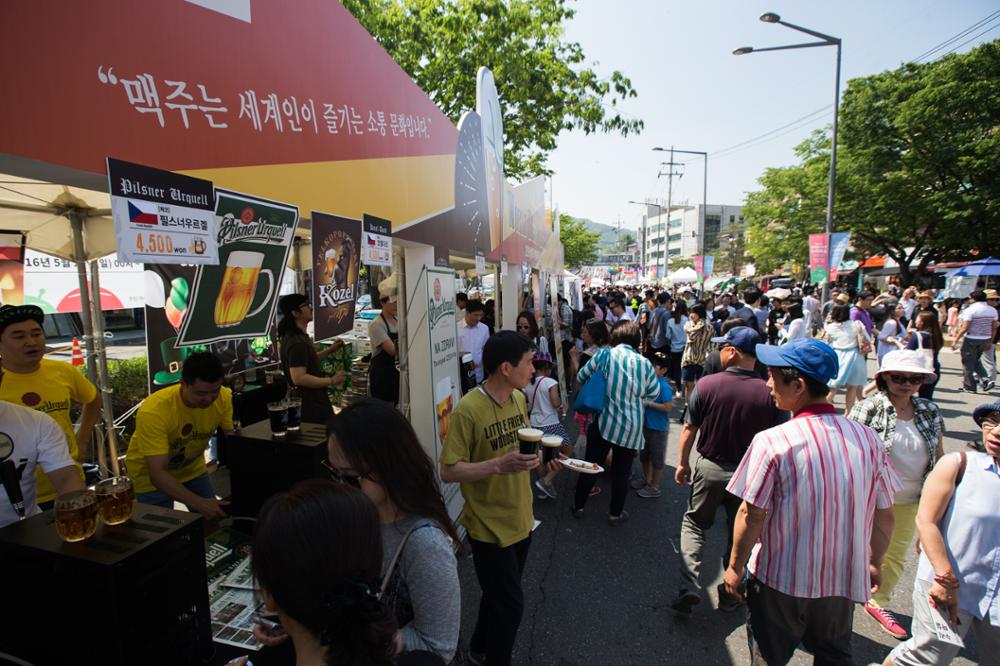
[(825, 40)]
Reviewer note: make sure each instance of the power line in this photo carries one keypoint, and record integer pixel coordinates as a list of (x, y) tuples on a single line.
[(954, 38), (972, 39)]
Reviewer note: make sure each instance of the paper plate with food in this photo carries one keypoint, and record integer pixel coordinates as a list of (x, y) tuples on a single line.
[(581, 466)]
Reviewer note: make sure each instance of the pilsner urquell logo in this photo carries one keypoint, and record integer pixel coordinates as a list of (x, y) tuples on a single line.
[(436, 308), (247, 228)]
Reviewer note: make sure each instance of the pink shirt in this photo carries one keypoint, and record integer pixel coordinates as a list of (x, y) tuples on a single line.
[(820, 477)]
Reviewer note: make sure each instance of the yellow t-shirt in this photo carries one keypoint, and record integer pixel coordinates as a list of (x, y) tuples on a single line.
[(50, 390), (164, 425), (497, 508)]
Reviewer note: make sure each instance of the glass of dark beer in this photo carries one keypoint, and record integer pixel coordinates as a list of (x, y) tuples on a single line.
[(294, 413), (278, 413), (529, 439), (76, 515), (550, 448), (115, 499)]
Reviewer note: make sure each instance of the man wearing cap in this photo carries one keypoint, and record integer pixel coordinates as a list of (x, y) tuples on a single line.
[(979, 324), (816, 517), (725, 411), (300, 361), (44, 385), (30, 440), (958, 572)]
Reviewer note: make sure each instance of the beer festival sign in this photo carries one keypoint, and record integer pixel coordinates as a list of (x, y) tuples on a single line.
[(236, 299), (336, 244)]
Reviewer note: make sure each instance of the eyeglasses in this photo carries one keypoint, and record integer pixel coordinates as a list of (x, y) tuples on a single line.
[(991, 423), (342, 477), (906, 379)]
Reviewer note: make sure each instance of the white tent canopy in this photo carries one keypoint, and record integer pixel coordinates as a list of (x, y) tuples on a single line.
[(684, 275)]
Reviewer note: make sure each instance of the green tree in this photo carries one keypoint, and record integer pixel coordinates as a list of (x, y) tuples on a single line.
[(579, 245), (626, 239), (677, 263), (544, 82)]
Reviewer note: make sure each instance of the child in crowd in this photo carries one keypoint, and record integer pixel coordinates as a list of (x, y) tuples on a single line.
[(546, 412), (655, 429)]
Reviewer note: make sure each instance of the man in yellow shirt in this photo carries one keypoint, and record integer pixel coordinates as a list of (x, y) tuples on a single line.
[(44, 385), (166, 455), (482, 453)]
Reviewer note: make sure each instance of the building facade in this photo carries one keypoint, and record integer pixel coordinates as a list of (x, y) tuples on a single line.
[(689, 230)]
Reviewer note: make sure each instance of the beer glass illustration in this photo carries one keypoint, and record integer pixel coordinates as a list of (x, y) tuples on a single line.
[(239, 284)]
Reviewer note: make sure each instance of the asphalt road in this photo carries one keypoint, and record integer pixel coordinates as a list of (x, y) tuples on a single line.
[(597, 594)]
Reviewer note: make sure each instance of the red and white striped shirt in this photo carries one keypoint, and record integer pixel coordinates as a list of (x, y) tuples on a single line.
[(820, 477)]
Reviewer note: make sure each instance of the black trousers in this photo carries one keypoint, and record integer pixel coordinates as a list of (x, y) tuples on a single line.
[(621, 467), (778, 623), (502, 604), (566, 358)]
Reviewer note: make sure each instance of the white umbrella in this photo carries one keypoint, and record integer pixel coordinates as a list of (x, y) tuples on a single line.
[(780, 293)]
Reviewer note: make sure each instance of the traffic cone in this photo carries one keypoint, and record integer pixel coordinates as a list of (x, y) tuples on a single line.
[(77, 355)]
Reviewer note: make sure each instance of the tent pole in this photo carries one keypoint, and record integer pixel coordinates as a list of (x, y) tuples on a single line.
[(102, 365), (79, 254), (402, 297), (300, 283)]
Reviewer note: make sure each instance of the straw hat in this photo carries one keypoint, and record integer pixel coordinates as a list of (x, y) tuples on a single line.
[(843, 298), (906, 360)]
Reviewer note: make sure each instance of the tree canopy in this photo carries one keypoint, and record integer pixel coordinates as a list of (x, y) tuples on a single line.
[(579, 245), (544, 82), (917, 176)]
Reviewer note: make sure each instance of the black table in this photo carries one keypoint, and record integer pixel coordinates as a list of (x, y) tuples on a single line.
[(260, 465)]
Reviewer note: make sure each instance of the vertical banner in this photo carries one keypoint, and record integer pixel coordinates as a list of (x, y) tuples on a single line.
[(838, 248), (819, 257), (480, 262), (167, 294), (444, 379), (709, 266), (377, 241), (335, 269), (503, 265), (699, 265), (236, 299), (11, 269), (161, 216)]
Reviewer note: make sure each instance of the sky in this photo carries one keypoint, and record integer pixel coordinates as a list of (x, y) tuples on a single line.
[(693, 93)]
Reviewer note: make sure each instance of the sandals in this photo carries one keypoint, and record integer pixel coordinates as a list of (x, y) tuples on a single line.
[(596, 490)]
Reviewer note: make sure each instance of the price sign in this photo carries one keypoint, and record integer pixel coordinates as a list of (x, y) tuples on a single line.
[(376, 241), (480, 262), (503, 265), (162, 217)]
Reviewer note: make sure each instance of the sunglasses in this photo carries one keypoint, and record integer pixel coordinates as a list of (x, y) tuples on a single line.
[(903, 379), (524, 326), (342, 477)]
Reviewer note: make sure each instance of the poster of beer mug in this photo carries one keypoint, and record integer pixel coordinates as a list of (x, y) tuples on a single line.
[(444, 402), (239, 284)]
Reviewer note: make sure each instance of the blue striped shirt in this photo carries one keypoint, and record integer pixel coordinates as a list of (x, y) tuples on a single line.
[(631, 380)]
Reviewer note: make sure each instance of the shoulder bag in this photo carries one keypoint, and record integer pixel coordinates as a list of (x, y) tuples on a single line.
[(864, 344), (592, 395)]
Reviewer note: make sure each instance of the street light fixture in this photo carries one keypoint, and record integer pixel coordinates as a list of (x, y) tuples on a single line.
[(825, 40)]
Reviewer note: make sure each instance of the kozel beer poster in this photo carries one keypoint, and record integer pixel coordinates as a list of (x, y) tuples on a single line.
[(236, 298), (161, 217), (336, 259)]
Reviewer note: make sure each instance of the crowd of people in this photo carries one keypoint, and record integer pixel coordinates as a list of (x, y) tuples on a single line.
[(362, 568)]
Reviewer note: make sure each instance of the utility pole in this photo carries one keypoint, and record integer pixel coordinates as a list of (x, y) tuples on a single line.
[(670, 193)]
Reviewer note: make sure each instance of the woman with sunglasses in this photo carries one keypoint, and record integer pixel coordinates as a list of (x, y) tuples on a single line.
[(912, 430), (372, 447), (528, 327)]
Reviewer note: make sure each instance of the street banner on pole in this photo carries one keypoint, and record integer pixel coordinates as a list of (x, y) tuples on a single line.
[(377, 241), (335, 264), (237, 298), (699, 266), (838, 247), (480, 262), (819, 256), (161, 216), (709, 265)]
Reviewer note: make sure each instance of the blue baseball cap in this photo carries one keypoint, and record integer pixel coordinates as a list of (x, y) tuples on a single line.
[(743, 338), (809, 356), (982, 411)]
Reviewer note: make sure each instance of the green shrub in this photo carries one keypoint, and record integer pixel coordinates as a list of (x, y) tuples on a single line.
[(128, 381)]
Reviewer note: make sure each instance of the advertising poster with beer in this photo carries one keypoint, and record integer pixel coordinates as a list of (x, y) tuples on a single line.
[(236, 299), (161, 216), (444, 366), (336, 264), (167, 289)]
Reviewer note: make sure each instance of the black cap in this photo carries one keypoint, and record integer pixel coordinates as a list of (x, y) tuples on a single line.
[(290, 302), (15, 314)]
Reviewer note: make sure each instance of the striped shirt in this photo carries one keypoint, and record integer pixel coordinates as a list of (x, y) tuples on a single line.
[(820, 477), (631, 380), (980, 317)]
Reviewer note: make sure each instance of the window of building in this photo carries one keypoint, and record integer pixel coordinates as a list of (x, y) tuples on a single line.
[(732, 219), (675, 237), (674, 251), (675, 223), (712, 225)]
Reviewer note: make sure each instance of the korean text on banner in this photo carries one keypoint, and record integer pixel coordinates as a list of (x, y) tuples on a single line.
[(838, 247), (480, 262), (377, 241), (699, 265), (160, 216), (819, 255), (335, 241), (237, 298)]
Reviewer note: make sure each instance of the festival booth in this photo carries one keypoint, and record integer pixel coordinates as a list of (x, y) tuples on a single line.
[(230, 158)]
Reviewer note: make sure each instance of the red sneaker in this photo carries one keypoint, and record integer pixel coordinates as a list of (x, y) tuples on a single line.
[(887, 620)]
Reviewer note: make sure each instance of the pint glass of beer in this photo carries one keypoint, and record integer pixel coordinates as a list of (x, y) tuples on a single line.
[(294, 413), (76, 515), (529, 439), (550, 448), (278, 413), (115, 499), (239, 284)]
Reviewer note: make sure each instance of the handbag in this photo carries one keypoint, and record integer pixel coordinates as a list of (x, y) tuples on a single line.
[(927, 353), (591, 397), (864, 344)]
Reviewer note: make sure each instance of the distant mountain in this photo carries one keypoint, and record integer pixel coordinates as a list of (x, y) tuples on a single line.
[(609, 233)]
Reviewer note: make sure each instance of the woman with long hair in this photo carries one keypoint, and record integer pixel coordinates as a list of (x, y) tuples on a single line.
[(594, 334), (891, 332), (317, 558), (794, 325), (928, 339), (374, 448), (527, 326), (845, 336)]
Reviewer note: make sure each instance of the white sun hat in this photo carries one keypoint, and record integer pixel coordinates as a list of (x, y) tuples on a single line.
[(906, 360)]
